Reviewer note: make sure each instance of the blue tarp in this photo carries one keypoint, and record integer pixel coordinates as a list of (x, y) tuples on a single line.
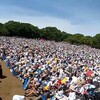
[(25, 84), (13, 71)]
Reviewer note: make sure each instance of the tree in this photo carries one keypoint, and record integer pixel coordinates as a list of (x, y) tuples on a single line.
[(96, 41), (1, 25), (51, 33), (75, 39), (27, 30), (4, 31), (22, 29)]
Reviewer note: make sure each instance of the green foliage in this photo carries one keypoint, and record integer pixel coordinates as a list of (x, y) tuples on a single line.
[(13, 28), (88, 40), (3, 30), (75, 39), (22, 29), (52, 33), (96, 41)]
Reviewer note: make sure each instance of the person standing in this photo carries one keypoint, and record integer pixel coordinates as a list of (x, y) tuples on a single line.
[(1, 71)]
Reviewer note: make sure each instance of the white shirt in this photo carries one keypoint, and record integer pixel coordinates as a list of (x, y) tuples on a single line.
[(72, 96), (18, 97)]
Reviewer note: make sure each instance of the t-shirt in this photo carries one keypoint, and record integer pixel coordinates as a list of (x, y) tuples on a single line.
[(18, 97), (72, 96)]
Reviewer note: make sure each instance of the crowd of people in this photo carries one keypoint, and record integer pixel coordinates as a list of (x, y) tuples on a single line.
[(54, 70)]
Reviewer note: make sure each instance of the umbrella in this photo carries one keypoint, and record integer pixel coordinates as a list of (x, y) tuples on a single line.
[(89, 73)]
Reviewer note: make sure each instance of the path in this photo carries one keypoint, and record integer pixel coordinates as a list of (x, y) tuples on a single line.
[(9, 85)]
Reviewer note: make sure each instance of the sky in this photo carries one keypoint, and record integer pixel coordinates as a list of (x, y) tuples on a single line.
[(71, 16)]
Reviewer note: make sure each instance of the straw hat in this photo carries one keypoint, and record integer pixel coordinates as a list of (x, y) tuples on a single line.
[(72, 87), (64, 80), (36, 79), (80, 81), (47, 88)]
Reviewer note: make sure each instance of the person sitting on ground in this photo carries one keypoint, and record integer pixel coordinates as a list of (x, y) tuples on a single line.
[(31, 92)]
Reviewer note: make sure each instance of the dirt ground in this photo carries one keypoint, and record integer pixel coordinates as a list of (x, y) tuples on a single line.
[(10, 85)]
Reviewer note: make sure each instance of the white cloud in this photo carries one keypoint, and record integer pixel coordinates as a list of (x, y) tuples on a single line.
[(63, 25)]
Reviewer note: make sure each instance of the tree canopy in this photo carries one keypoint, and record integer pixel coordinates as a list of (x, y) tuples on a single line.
[(27, 30)]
